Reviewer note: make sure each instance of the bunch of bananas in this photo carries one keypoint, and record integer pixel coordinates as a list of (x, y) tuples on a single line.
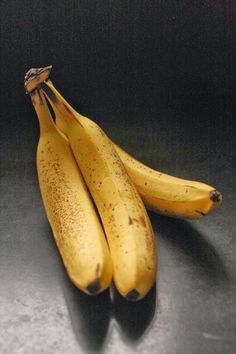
[(77, 165)]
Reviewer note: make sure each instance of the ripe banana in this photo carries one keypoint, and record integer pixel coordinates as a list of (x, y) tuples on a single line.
[(125, 220), (169, 195), (160, 192), (70, 211)]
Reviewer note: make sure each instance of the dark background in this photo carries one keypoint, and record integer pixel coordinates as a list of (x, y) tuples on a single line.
[(160, 78)]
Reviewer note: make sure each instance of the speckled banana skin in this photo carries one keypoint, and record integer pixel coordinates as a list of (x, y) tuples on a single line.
[(70, 211), (125, 220), (163, 193), (169, 195)]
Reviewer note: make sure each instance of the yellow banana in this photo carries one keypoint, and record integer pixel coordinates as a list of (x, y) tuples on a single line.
[(70, 211), (160, 192), (169, 195), (125, 220)]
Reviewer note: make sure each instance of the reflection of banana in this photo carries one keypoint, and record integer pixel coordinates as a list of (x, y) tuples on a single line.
[(127, 226), (160, 192), (76, 228)]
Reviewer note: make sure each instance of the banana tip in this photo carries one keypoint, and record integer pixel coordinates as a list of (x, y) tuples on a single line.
[(94, 287), (215, 196), (132, 295)]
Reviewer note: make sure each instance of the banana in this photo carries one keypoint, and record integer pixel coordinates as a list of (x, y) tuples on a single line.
[(69, 208), (124, 217), (170, 195), (162, 193)]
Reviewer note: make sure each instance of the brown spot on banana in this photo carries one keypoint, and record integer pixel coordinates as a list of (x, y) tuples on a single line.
[(200, 212), (97, 270), (130, 221), (142, 221)]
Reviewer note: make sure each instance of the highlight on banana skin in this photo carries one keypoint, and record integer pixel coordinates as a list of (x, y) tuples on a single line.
[(78, 167)]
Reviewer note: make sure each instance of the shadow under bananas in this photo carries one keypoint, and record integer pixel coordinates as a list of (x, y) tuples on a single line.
[(182, 235), (134, 318), (90, 316)]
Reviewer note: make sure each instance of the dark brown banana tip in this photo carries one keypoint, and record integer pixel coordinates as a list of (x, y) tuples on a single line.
[(132, 295), (215, 196), (35, 76), (94, 287)]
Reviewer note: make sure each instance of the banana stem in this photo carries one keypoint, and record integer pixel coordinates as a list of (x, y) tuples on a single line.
[(62, 107), (46, 122), (37, 79)]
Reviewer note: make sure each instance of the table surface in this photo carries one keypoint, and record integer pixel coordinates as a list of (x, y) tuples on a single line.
[(191, 309), (159, 79)]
